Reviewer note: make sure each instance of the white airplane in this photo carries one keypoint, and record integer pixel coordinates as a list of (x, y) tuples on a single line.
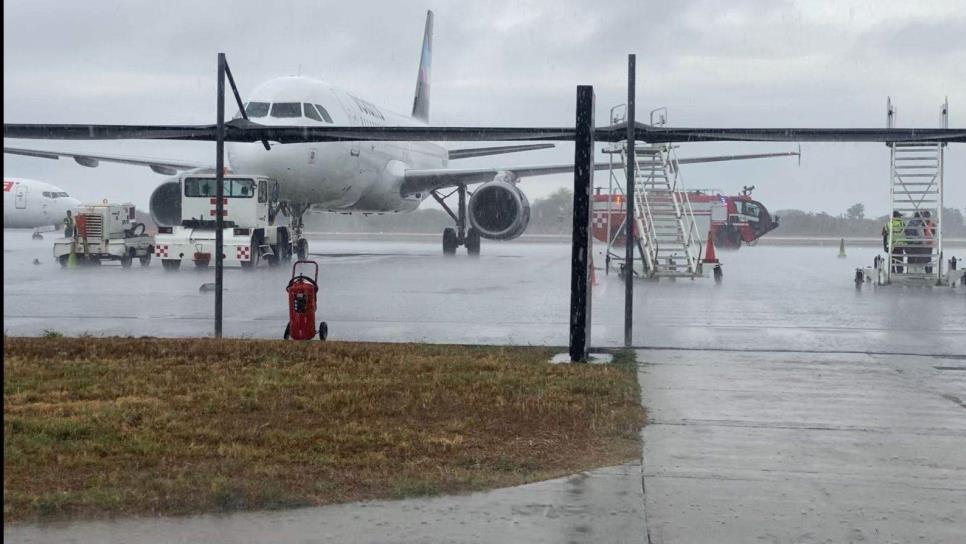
[(32, 204), (329, 151)]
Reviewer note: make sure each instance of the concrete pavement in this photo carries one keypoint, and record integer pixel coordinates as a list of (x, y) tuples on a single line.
[(803, 447)]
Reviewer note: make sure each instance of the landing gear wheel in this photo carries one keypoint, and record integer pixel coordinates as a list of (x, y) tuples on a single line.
[(201, 264), (473, 242), (323, 330), (450, 241), (302, 248), (146, 258), (171, 264), (288, 331)]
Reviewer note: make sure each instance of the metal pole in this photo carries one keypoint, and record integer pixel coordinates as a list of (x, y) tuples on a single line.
[(580, 295), (629, 218), (219, 195)]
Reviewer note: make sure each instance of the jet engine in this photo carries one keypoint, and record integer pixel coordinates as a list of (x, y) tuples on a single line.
[(165, 204), (498, 209)]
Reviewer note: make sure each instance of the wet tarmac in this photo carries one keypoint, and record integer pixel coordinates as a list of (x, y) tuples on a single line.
[(600, 506), (785, 405), (799, 298)]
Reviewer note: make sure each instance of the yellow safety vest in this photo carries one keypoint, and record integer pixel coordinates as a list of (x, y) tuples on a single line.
[(898, 230)]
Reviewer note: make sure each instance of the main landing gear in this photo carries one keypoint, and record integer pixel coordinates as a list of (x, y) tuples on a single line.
[(460, 235)]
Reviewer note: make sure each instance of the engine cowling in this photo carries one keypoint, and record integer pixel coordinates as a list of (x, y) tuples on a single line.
[(165, 204), (499, 210)]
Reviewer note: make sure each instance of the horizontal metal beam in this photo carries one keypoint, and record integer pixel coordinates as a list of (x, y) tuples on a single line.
[(240, 130)]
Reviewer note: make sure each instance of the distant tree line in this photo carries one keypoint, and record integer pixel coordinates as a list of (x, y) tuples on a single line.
[(551, 215), (852, 223)]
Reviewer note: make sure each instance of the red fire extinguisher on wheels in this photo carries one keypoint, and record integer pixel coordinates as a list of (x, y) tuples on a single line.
[(302, 294)]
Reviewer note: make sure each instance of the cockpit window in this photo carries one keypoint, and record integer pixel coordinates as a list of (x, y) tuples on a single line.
[(257, 109), (325, 114), (47, 194), (60, 194), (311, 113), (287, 109)]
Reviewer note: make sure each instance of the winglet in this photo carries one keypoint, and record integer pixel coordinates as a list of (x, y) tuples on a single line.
[(421, 102)]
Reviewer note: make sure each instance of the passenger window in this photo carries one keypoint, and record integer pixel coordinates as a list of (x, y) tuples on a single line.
[(257, 109), (311, 113), (262, 191), (286, 109), (325, 114)]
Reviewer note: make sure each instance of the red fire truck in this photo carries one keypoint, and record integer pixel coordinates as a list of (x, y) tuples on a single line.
[(732, 220)]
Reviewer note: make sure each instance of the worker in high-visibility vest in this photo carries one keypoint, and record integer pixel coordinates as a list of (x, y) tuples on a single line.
[(68, 226), (895, 228)]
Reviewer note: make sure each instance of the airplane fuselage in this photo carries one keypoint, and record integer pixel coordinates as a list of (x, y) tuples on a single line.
[(29, 204), (337, 176)]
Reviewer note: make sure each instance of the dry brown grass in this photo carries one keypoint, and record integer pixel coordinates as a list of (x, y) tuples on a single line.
[(98, 427)]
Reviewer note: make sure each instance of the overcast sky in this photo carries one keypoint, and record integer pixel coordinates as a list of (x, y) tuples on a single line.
[(737, 63)]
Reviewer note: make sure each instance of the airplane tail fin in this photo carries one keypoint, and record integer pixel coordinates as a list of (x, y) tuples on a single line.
[(421, 102)]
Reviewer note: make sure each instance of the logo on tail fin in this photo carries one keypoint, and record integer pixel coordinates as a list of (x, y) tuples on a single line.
[(421, 102)]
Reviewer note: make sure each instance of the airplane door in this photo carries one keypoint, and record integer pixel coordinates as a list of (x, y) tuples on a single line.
[(20, 197)]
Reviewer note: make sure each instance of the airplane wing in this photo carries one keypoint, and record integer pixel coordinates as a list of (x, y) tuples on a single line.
[(161, 166), (170, 168), (418, 181), (455, 154), (241, 130)]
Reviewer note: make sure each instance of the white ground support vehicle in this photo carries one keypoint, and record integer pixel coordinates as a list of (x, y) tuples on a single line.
[(106, 232), (255, 227)]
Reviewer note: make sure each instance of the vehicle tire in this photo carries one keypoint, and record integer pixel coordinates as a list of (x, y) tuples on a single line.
[(63, 260), (288, 331), (128, 259), (302, 249), (146, 258), (473, 242), (449, 241), (323, 330), (256, 254), (171, 264)]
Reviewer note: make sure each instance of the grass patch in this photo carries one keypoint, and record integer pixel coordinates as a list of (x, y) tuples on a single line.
[(97, 427)]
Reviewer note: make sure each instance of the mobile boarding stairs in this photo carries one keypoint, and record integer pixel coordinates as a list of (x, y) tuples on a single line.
[(915, 255)]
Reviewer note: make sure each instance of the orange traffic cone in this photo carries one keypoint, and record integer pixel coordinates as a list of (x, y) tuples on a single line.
[(709, 256), (593, 273)]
